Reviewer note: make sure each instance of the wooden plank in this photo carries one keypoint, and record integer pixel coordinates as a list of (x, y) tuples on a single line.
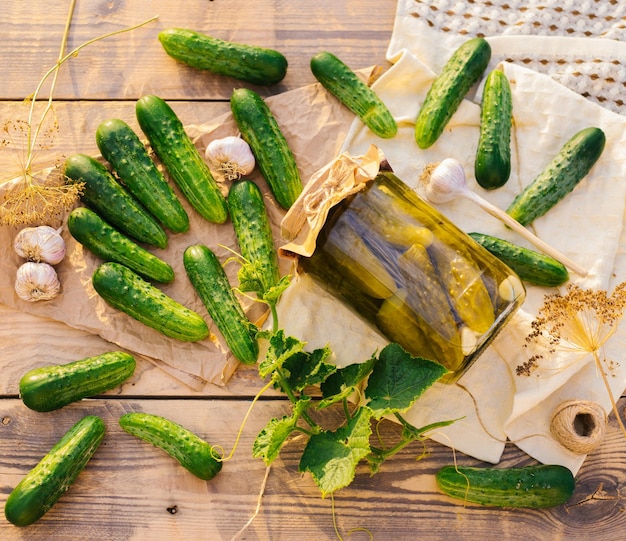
[(135, 63), (127, 488)]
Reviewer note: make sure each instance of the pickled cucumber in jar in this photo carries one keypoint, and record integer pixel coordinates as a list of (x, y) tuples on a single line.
[(411, 272)]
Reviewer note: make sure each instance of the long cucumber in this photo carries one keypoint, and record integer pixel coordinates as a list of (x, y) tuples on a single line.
[(261, 131), (212, 285), (125, 290), (334, 75), (564, 172), (109, 244), (42, 487), (128, 157), (545, 485), (254, 235), (183, 161), (192, 452), (492, 166), (460, 72), (48, 388), (250, 63), (110, 200)]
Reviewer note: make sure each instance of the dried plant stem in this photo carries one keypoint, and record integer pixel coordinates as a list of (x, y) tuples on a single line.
[(55, 70), (605, 380)]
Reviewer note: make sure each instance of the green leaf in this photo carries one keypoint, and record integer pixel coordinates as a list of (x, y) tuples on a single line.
[(332, 457), (399, 379), (272, 295), (250, 278), (270, 440), (308, 368), (280, 349), (346, 378)]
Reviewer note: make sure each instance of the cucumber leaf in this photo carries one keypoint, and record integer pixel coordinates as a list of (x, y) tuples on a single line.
[(332, 457), (270, 440), (306, 369), (280, 349), (346, 378), (398, 380)]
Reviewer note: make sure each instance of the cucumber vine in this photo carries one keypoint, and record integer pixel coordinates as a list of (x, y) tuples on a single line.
[(386, 384)]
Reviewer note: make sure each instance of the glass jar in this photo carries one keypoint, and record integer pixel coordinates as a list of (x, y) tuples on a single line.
[(414, 275)]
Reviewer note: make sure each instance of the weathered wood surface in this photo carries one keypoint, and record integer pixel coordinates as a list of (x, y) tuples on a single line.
[(131, 491)]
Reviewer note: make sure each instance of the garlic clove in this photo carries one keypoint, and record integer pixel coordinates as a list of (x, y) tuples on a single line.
[(231, 156), (36, 282), (40, 244)]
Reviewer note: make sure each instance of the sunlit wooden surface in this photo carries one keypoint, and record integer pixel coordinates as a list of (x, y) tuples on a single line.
[(132, 491)]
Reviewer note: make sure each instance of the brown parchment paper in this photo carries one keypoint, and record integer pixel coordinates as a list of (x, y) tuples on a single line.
[(314, 124)]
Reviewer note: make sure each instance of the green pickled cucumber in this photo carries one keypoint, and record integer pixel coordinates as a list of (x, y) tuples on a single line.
[(425, 293), (357, 262), (462, 281), (400, 324), (396, 227)]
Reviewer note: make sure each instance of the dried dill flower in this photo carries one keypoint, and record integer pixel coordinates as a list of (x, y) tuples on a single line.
[(32, 200), (580, 321)]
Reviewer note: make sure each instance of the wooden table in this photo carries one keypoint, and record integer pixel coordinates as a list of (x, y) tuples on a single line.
[(132, 491)]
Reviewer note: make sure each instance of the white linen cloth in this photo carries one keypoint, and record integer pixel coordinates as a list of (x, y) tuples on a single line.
[(587, 225)]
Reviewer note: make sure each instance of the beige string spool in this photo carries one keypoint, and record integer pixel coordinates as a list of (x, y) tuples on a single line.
[(579, 426)]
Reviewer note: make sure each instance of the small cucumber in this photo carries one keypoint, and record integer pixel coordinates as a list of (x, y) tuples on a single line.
[(254, 234), (125, 290), (192, 452), (545, 485), (104, 195), (42, 487), (128, 157), (572, 163), (253, 64), (109, 244), (345, 85), (174, 147), (492, 166), (531, 266), (260, 130), (462, 70), (211, 283), (51, 387)]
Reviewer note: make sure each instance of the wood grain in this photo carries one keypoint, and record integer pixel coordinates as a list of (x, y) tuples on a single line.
[(132, 490), (136, 64)]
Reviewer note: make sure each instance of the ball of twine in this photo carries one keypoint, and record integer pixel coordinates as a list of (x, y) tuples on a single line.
[(579, 425)]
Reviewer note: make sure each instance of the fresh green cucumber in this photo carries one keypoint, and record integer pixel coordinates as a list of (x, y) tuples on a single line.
[(109, 244), (492, 167), (545, 485), (128, 157), (125, 290), (250, 63), (181, 158), (260, 130), (51, 387), (42, 487), (336, 77), (191, 451), (212, 285), (531, 266), (254, 234), (572, 163), (107, 197), (460, 72)]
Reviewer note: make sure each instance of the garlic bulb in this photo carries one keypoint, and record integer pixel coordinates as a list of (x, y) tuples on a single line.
[(231, 156), (445, 181), (40, 244), (36, 282)]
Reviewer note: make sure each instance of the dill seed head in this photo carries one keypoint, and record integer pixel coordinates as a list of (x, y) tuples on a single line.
[(581, 320)]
